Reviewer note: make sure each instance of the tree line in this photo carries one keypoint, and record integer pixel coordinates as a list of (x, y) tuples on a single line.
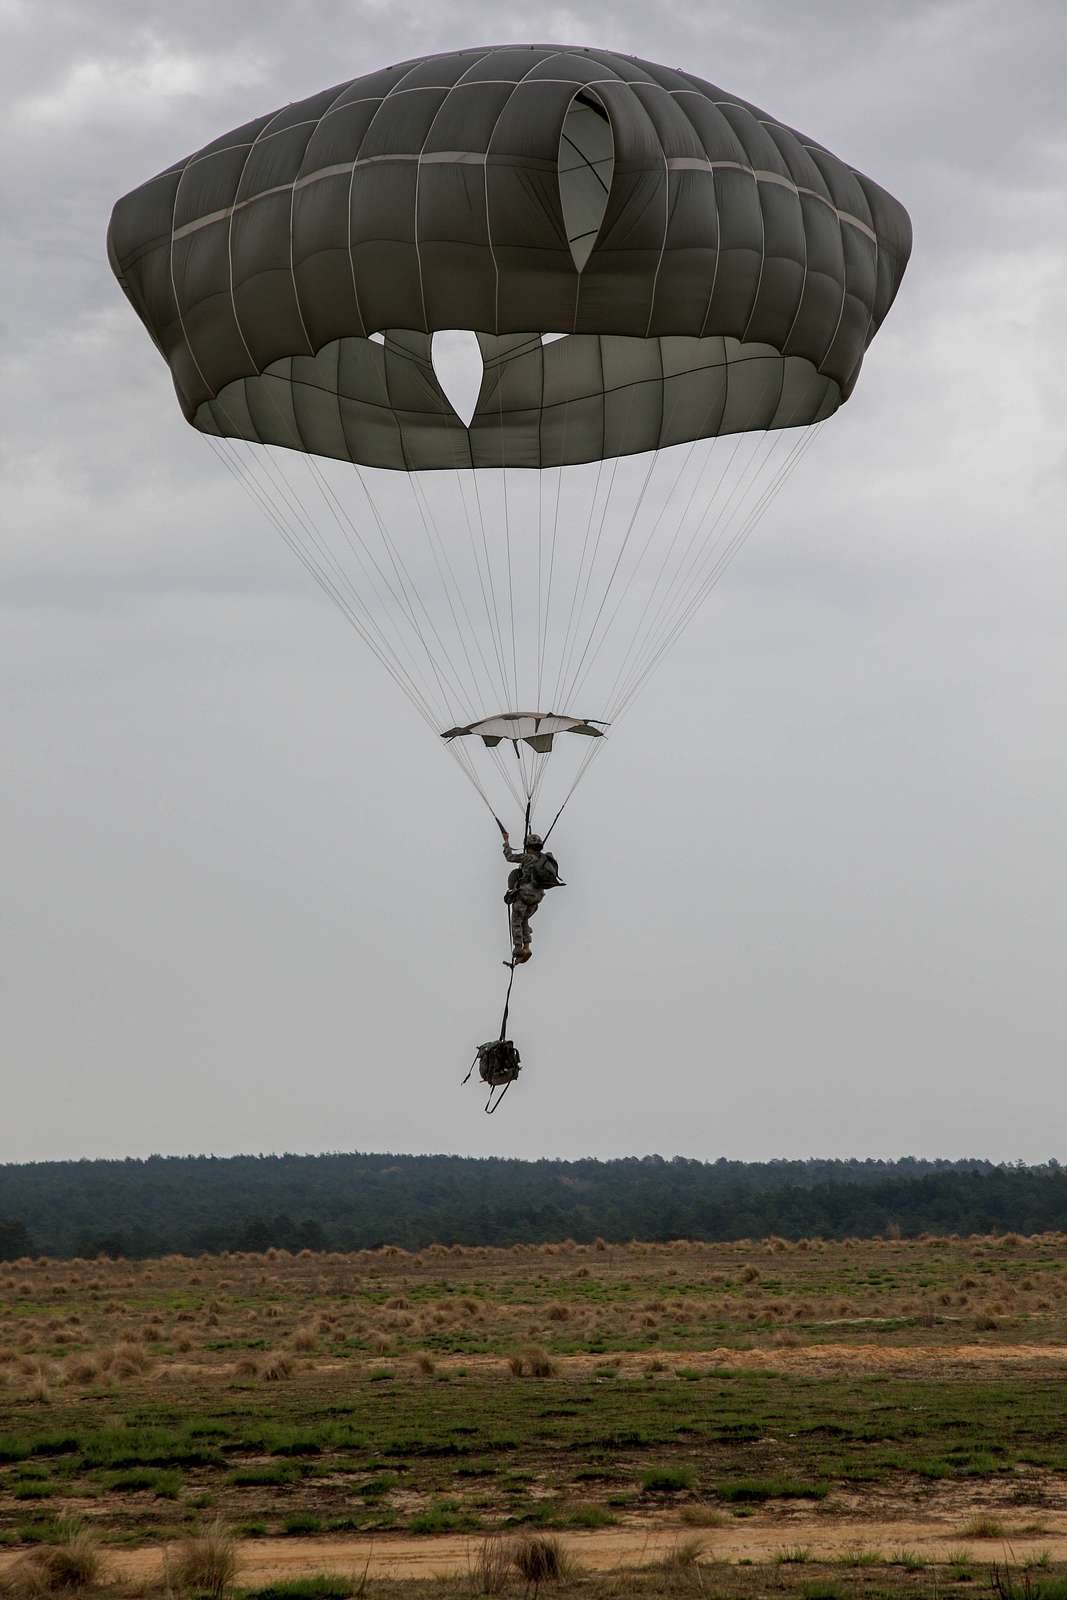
[(191, 1204)]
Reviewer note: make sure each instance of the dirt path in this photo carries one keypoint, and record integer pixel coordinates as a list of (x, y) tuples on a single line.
[(755, 1539), (810, 1358)]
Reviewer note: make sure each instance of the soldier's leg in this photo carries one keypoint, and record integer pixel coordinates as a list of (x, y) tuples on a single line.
[(518, 922)]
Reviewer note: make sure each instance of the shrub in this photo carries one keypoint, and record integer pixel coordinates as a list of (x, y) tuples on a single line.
[(860, 1557), (491, 1568), (540, 1558), (82, 1369), (274, 1368), (535, 1362), (73, 1562), (204, 1564), (702, 1517), (983, 1527)]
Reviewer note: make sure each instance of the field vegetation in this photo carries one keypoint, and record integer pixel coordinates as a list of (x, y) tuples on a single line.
[(583, 1395)]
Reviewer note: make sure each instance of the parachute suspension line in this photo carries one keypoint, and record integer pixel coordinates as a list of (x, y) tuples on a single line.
[(542, 627), (507, 774), (698, 480), (680, 584), (709, 518), (759, 404), (569, 642), (318, 476), (570, 689), (581, 563), (304, 540), (494, 633), (228, 456), (676, 597), (639, 643), (507, 534), (349, 530), (489, 571), (408, 588), (578, 606), (586, 763), (540, 581), (400, 567), (439, 551), (720, 564), (581, 676), (278, 499), (493, 663), (315, 538)]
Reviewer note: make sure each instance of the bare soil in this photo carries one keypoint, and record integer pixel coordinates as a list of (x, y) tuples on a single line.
[(761, 1539)]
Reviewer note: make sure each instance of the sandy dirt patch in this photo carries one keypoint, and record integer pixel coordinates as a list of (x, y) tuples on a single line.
[(757, 1539), (813, 1358)]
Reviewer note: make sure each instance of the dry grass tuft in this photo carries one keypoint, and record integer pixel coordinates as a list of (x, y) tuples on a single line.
[(82, 1369), (700, 1516), (205, 1564), (490, 1570), (533, 1362), (540, 1558), (681, 1562), (983, 1527), (274, 1368), (74, 1563)]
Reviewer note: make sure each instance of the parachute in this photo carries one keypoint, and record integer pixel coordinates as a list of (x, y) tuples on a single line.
[(661, 294)]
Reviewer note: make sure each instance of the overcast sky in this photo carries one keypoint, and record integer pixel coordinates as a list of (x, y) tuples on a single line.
[(816, 889)]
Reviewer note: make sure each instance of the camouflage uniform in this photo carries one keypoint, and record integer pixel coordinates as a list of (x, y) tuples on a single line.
[(524, 893)]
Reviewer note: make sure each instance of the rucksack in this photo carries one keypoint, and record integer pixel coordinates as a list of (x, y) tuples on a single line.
[(542, 871), (498, 1062)]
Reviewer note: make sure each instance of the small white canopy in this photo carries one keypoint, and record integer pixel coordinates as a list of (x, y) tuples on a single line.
[(535, 728)]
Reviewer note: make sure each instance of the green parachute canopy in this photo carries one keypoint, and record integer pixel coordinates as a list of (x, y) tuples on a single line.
[(644, 260)]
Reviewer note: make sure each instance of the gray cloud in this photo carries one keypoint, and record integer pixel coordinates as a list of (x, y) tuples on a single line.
[(816, 887)]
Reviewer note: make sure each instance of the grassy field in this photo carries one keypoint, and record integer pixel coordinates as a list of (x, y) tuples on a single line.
[(719, 1391)]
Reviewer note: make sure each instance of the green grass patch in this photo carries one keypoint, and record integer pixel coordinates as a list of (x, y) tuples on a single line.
[(589, 1516), (667, 1480), (165, 1485), (302, 1522), (264, 1476), (445, 1516), (322, 1586), (375, 1488), (742, 1490)]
